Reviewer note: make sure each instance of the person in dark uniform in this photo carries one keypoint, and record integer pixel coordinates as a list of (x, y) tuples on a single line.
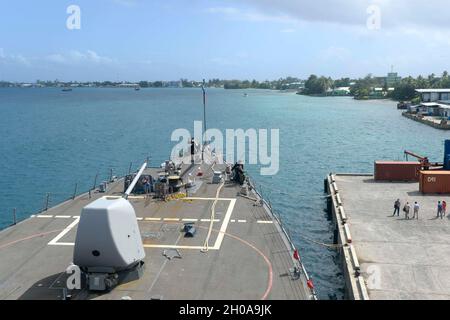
[(238, 173), (192, 150), (397, 205)]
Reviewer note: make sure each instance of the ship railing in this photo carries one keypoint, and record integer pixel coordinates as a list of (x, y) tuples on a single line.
[(297, 263), (52, 199)]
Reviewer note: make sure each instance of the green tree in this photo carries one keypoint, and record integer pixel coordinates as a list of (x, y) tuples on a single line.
[(315, 85)]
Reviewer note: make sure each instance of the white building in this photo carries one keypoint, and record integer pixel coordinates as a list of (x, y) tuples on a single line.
[(434, 95)]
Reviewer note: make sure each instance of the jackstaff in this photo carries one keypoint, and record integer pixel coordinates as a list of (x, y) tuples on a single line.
[(204, 117)]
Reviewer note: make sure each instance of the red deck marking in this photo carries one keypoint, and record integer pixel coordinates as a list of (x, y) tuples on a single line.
[(269, 265), (29, 238)]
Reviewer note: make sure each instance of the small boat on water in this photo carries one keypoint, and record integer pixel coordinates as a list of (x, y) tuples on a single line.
[(137, 88), (403, 105), (245, 95), (66, 89)]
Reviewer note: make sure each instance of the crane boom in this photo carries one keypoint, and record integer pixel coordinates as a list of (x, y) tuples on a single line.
[(412, 154)]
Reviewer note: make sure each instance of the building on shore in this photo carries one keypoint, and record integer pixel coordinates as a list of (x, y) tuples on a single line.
[(379, 93), (172, 84), (434, 103), (434, 95), (128, 85), (339, 91), (392, 79)]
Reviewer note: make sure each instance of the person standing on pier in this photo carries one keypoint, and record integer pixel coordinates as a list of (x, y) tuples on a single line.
[(439, 210), (406, 209), (416, 210), (192, 150), (397, 205), (444, 208)]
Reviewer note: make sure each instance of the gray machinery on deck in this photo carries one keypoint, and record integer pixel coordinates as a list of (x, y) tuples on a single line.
[(108, 246)]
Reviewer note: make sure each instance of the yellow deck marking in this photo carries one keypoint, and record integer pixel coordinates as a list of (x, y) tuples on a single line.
[(173, 246), (210, 199), (152, 219), (187, 198), (177, 219), (118, 197)]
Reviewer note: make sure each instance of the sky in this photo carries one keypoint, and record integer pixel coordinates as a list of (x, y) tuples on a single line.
[(132, 40)]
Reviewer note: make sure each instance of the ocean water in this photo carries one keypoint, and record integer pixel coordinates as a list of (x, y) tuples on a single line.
[(51, 140)]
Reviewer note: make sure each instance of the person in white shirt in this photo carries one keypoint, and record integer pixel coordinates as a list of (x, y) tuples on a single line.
[(416, 210), (406, 209)]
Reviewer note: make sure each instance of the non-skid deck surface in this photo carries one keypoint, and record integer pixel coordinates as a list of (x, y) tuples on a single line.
[(247, 258)]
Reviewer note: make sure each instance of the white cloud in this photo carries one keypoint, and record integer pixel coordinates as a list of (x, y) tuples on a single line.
[(251, 15), (76, 56), (128, 3), (223, 62), (146, 62), (14, 58), (394, 13), (224, 10), (335, 53), (57, 57), (289, 30), (21, 59), (94, 57)]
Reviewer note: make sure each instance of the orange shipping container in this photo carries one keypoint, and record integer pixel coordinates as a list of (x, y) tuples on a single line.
[(397, 171), (434, 182)]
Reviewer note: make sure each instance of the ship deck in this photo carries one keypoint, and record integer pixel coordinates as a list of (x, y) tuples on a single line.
[(249, 256)]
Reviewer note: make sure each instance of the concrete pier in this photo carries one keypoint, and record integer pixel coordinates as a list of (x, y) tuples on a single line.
[(431, 121), (386, 257)]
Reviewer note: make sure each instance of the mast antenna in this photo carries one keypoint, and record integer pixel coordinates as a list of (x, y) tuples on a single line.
[(204, 118)]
